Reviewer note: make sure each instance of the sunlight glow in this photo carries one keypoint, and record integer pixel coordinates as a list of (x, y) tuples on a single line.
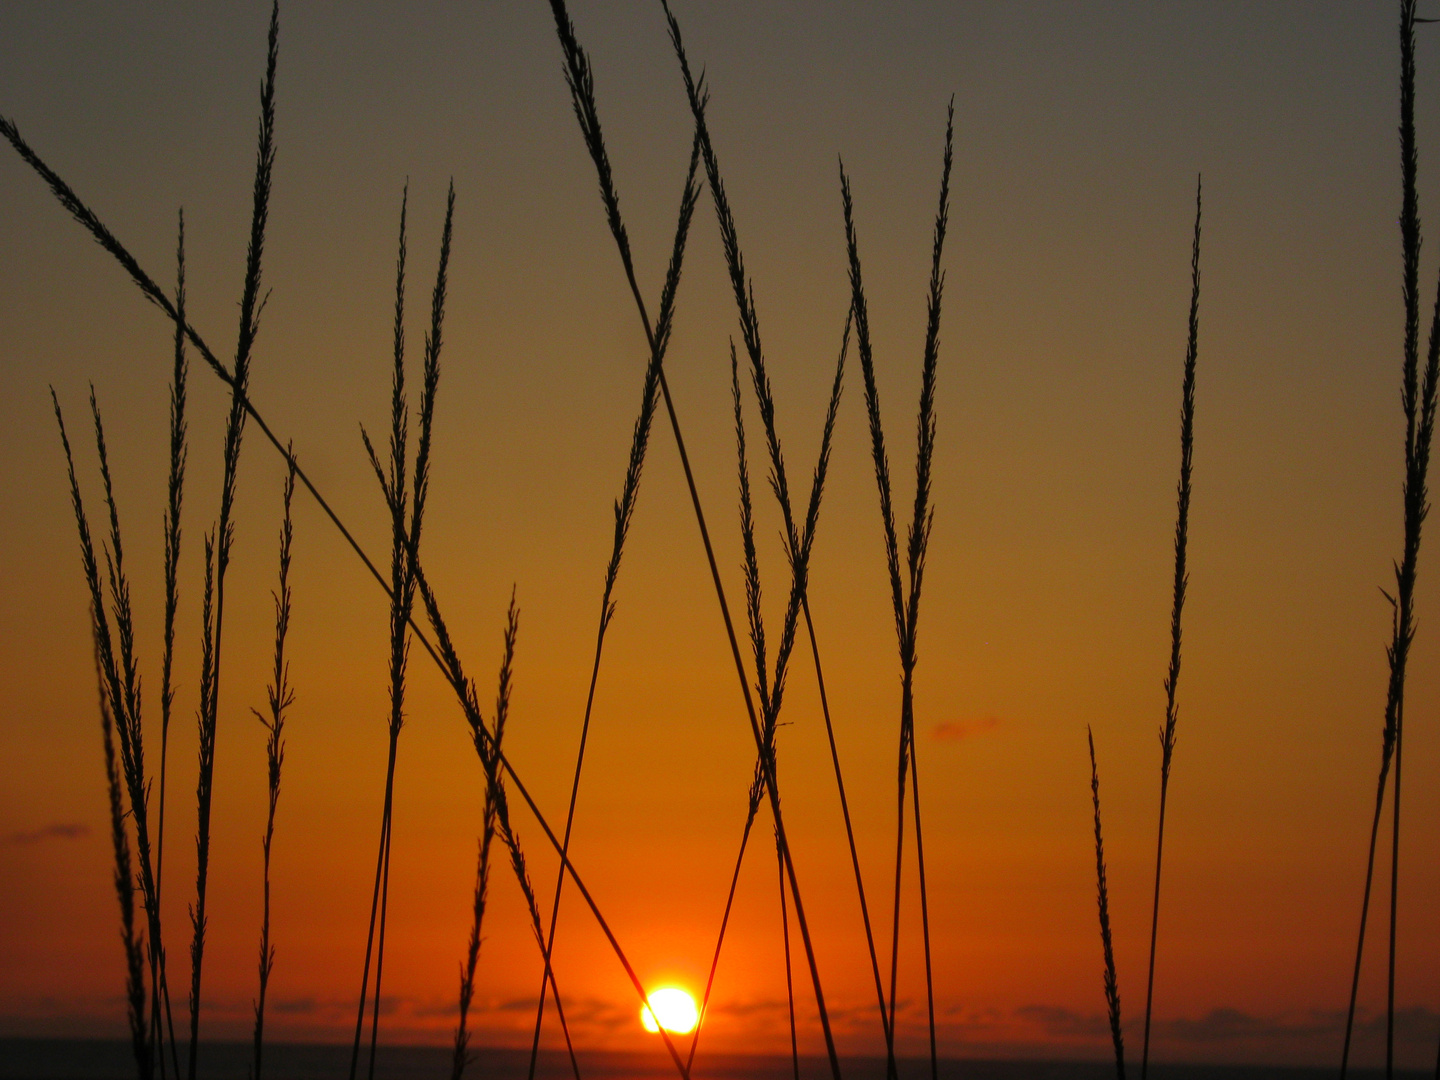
[(673, 1007)]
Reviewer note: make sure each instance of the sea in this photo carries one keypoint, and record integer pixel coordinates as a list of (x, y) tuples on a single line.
[(97, 1059)]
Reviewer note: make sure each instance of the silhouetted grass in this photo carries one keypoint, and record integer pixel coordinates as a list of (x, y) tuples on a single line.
[(405, 494), (122, 687), (1417, 394), (487, 837), (281, 696), (108, 679), (461, 1056), (906, 605), (697, 97), (495, 767), (251, 304), (1172, 677), (88, 219), (1112, 986), (770, 693), (91, 222), (176, 494)]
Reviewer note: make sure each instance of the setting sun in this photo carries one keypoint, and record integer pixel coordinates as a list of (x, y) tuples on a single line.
[(673, 1008)]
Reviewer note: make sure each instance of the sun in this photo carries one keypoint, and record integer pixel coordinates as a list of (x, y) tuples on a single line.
[(673, 1008)]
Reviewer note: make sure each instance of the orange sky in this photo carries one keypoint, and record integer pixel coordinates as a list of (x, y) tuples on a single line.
[(1078, 136)]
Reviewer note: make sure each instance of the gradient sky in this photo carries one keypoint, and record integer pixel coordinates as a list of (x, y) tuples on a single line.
[(1079, 133)]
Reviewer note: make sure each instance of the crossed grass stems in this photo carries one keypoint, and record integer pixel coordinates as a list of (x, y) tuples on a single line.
[(117, 669), (119, 678)]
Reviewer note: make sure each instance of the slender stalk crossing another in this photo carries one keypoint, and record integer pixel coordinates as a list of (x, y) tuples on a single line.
[(460, 1058)]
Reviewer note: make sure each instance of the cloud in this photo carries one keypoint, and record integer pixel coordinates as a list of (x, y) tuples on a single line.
[(1064, 1023), (61, 830), (955, 730)]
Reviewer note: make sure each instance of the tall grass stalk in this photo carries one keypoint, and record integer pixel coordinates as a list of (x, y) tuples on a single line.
[(1112, 986), (176, 494), (1417, 397), (624, 512), (579, 78), (128, 709), (1172, 678), (251, 304), (906, 602), (404, 495), (281, 696), (124, 878), (399, 420)]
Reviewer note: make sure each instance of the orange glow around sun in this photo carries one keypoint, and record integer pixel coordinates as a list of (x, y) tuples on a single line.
[(674, 1009)]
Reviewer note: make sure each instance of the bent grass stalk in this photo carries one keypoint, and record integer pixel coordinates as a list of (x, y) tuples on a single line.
[(281, 696), (1172, 678), (1102, 893)]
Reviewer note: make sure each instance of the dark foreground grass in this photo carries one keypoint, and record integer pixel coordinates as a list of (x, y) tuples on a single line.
[(1417, 396), (404, 489), (1179, 583)]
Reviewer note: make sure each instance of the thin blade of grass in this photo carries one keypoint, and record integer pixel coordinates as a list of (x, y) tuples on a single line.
[(176, 494), (281, 696), (1112, 986), (251, 304), (1172, 678)]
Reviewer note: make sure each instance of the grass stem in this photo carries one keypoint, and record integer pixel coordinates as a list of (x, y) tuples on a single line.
[(281, 697), (1112, 986), (1172, 678)]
